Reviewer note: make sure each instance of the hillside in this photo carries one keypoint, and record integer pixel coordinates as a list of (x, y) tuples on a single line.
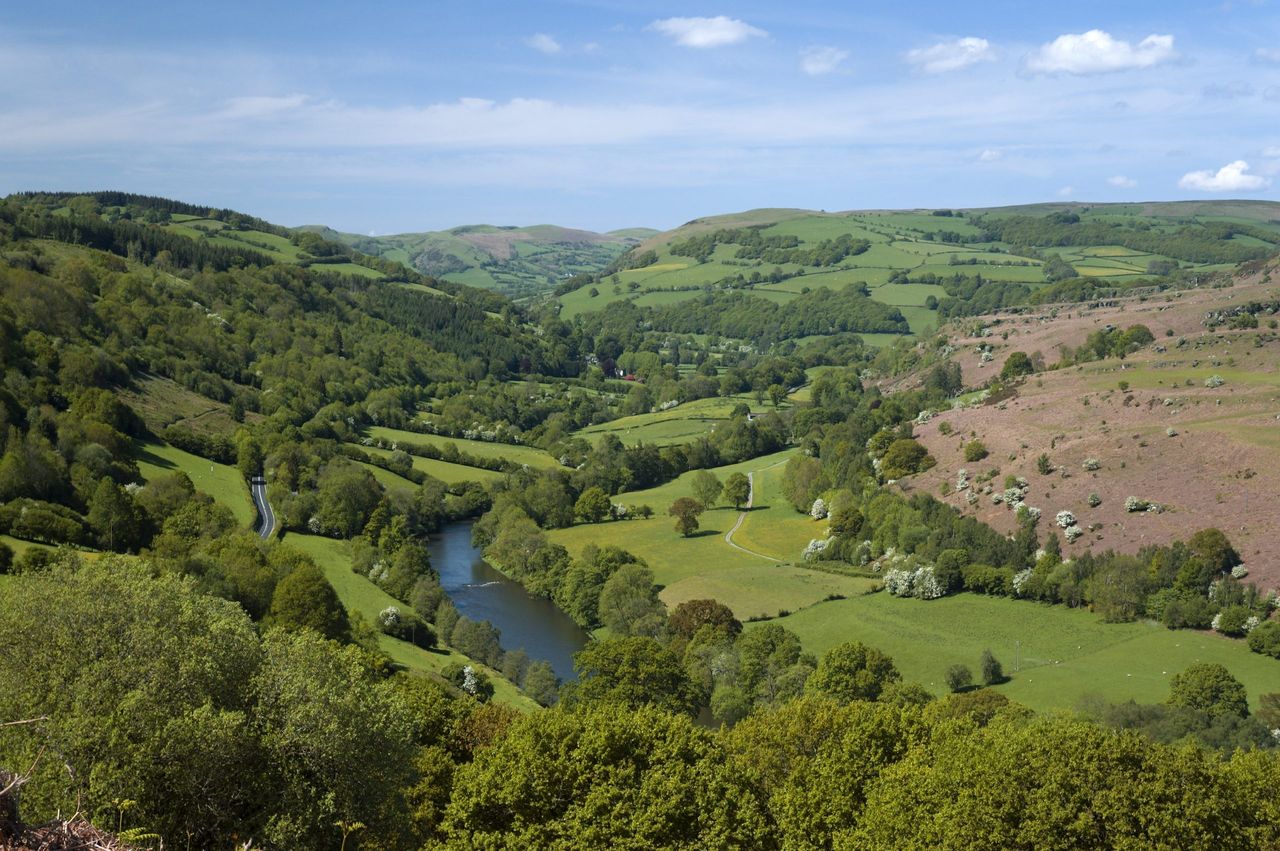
[(1189, 422), (931, 264), (516, 261)]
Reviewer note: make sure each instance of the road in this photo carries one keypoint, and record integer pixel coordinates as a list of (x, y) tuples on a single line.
[(266, 517)]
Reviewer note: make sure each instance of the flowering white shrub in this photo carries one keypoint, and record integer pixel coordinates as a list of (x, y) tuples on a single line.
[(925, 585), (1171, 432), (469, 682), (816, 548), (1094, 500), (1132, 504), (666, 406), (962, 480), (972, 498), (898, 581), (1216, 623), (1092, 464), (819, 509), (313, 525), (1020, 580), (389, 617), (1239, 571), (1214, 380), (923, 417), (1073, 533), (1065, 519), (1251, 623)]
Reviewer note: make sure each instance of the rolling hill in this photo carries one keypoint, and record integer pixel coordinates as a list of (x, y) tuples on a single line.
[(910, 259), (517, 261)]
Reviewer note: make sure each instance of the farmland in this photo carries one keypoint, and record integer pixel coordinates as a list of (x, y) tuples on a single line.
[(1064, 654)]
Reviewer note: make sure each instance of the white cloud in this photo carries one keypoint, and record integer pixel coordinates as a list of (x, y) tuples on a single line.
[(1268, 54), (1271, 152), (990, 155), (1096, 52), (1066, 191), (706, 32), (951, 55), (816, 61), (1230, 178), (1122, 182), (543, 43), (260, 106)]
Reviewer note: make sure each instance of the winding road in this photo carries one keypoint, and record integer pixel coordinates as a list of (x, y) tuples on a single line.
[(266, 517)]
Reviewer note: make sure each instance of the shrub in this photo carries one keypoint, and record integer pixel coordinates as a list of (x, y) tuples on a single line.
[(944, 428), (1133, 504), (1091, 464), (1231, 620), (1094, 500), (905, 457), (1043, 464), (992, 670), (975, 450), (1265, 639), (1016, 364)]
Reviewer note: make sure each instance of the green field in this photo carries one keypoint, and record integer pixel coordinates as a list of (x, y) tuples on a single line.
[(1065, 653), (443, 470), (677, 425), (221, 481), (528, 455), (358, 593)]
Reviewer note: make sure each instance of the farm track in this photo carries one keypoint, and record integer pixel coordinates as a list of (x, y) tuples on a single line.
[(742, 516)]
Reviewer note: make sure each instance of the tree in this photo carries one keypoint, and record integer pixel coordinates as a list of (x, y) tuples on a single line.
[(1016, 364), (1043, 465), (593, 505), (633, 672), (686, 511), (904, 457), (541, 683), (1265, 637), (737, 489), (304, 599), (692, 615), (992, 670), (776, 394), (115, 516), (706, 488), (1209, 687), (629, 603), (624, 778), (1212, 546), (959, 677), (975, 450), (853, 671)]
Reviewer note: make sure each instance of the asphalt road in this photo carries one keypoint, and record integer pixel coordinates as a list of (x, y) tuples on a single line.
[(266, 517)]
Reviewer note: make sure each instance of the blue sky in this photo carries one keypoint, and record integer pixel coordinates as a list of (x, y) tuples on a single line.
[(398, 116)]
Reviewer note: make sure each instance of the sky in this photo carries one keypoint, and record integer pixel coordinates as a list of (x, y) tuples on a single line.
[(389, 117)]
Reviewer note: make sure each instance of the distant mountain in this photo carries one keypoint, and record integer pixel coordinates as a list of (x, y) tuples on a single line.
[(517, 261)]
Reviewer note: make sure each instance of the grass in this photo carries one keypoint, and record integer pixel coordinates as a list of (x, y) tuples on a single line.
[(358, 593), (221, 481), (529, 455), (1065, 653), (677, 425), (443, 470)]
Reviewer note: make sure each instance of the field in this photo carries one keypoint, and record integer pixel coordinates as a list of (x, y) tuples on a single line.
[(528, 455), (1064, 654), (221, 481), (680, 424), (443, 470), (900, 241), (358, 593), (758, 581)]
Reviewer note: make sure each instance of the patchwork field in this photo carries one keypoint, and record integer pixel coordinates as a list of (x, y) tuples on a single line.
[(443, 470), (680, 424), (528, 455), (1053, 655)]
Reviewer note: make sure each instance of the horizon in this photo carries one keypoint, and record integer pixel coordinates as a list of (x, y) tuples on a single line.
[(603, 116)]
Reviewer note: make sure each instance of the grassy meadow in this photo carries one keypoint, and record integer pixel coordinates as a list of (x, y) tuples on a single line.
[(221, 481)]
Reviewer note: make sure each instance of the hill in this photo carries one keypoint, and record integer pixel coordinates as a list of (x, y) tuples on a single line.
[(516, 261), (933, 264)]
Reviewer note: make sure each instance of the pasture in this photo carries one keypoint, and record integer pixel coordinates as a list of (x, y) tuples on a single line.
[(443, 470), (1064, 654), (221, 481), (528, 455)]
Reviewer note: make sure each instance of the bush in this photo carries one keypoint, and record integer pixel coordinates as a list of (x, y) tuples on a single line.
[(1265, 639), (905, 457), (992, 670), (975, 450)]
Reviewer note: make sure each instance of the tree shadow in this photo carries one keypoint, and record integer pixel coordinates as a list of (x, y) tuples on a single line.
[(703, 533), (142, 453)]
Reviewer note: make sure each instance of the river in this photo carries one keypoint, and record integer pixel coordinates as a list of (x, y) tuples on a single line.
[(481, 593)]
